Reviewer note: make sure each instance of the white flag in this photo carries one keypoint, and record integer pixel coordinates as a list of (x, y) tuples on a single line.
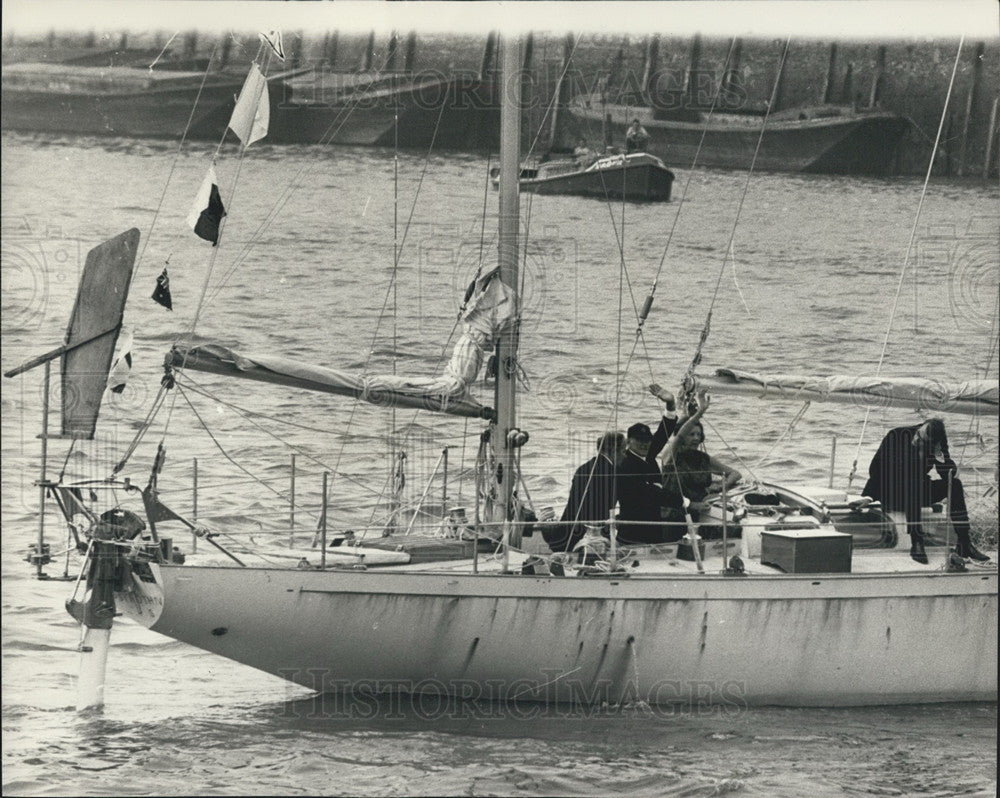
[(273, 39), (118, 375), (253, 110)]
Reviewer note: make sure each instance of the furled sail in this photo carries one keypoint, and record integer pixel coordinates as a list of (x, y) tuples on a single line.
[(970, 397), (487, 313)]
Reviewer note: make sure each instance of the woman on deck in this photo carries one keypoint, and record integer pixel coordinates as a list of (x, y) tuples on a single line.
[(688, 470)]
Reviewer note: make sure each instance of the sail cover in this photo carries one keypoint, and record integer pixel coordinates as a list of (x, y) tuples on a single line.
[(386, 390), (971, 397), (487, 312)]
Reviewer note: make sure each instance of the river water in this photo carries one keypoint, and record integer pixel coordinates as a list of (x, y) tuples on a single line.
[(305, 270)]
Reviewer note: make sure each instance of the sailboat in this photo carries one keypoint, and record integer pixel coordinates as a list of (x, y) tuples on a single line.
[(788, 613)]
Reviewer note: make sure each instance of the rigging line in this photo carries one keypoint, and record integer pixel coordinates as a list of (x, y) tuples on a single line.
[(482, 227), (69, 451), (691, 172), (909, 249), (225, 454), (994, 343), (390, 291), (736, 283), (197, 388), (621, 303), (555, 97), (265, 57), (394, 287), (731, 450), (332, 131), (165, 47), (696, 359), (176, 158), (791, 425), (653, 287), (143, 428), (278, 438), (753, 164)]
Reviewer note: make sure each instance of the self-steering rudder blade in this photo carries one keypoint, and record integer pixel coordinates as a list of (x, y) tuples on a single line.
[(85, 361)]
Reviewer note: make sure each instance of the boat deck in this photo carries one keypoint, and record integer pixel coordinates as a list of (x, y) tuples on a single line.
[(636, 560)]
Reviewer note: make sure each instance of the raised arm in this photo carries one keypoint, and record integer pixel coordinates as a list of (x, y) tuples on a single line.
[(687, 426), (668, 421)]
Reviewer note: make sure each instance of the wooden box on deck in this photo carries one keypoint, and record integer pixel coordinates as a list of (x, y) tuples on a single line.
[(807, 551)]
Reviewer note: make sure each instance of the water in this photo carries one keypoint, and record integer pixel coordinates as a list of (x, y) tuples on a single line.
[(817, 268)]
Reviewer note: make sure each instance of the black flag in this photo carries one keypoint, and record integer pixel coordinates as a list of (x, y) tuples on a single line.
[(161, 293), (207, 212)]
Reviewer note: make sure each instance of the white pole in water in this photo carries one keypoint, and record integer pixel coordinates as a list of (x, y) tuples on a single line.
[(93, 668)]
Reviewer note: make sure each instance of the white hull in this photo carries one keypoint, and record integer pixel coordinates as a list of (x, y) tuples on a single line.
[(830, 639)]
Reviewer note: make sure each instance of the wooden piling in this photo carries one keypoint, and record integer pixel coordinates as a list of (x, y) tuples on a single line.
[(410, 55), (970, 105), (691, 87), (529, 52), (562, 90), (489, 52), (831, 76), (990, 138), (730, 96), (616, 74), (847, 87), (368, 55), (779, 79), (650, 66), (330, 45), (878, 79), (390, 56), (190, 45)]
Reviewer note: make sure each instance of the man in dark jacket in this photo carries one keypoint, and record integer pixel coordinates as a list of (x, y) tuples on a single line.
[(899, 479), (592, 494), (640, 492)]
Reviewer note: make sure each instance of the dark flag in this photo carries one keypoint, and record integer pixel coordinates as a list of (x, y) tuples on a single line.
[(161, 293), (207, 212)]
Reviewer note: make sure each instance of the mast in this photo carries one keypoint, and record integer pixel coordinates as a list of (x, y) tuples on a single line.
[(502, 439)]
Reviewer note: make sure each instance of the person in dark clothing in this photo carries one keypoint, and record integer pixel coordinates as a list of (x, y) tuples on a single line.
[(592, 494), (899, 477), (641, 497)]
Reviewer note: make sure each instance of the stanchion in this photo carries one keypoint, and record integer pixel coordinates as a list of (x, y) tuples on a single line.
[(322, 523), (291, 508), (194, 503)]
